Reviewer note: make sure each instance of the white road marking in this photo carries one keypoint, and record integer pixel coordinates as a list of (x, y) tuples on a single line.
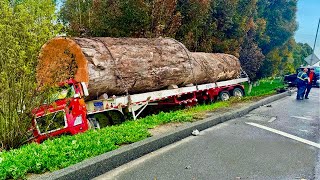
[(301, 117), (286, 135), (303, 130), (272, 119)]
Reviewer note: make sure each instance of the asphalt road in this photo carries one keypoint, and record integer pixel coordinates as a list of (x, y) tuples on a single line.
[(278, 141)]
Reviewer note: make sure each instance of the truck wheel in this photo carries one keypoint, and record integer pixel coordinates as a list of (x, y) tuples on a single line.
[(237, 92), (224, 95), (116, 117), (103, 119), (213, 100), (93, 123)]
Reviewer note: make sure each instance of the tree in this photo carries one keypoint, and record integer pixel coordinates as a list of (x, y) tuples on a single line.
[(280, 16), (300, 52), (118, 18), (251, 56), (165, 20), (25, 25), (230, 19), (279, 61), (280, 19), (78, 16), (195, 31)]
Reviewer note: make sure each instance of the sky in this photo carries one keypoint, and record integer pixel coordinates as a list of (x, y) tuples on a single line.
[(308, 17)]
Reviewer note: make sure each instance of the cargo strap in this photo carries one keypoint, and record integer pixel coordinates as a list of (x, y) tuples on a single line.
[(118, 74)]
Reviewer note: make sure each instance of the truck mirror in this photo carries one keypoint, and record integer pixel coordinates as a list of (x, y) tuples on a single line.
[(85, 89)]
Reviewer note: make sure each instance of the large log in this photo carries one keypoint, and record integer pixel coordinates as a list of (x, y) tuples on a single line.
[(117, 65)]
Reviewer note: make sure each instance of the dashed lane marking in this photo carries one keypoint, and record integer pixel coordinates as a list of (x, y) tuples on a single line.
[(301, 117), (285, 135), (272, 119)]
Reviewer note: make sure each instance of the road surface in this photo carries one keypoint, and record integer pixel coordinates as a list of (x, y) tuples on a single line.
[(276, 141)]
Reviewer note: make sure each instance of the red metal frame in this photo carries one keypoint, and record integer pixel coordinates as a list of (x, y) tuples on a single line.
[(192, 98)]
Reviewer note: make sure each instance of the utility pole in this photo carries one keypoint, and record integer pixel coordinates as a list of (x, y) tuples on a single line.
[(314, 45)]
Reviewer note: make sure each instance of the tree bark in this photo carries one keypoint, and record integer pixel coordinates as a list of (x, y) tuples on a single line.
[(134, 65)]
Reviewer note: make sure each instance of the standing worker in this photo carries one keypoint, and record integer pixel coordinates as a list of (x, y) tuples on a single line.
[(302, 81), (309, 85)]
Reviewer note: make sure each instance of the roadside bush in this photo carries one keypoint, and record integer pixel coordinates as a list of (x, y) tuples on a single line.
[(25, 25)]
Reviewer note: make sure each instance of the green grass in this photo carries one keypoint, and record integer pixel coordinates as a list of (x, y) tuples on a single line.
[(265, 87), (68, 150)]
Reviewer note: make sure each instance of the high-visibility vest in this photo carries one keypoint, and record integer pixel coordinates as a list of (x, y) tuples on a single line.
[(300, 76)]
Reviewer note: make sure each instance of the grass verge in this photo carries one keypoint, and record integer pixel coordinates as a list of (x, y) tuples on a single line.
[(68, 150)]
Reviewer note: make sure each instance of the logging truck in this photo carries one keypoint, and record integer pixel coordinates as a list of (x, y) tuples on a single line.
[(110, 77), (71, 114)]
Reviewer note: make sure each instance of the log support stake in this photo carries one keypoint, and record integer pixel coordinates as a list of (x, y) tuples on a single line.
[(137, 107), (134, 108)]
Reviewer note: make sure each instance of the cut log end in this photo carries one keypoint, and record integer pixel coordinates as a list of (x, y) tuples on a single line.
[(61, 59)]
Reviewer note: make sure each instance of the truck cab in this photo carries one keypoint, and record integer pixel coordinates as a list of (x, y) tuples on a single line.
[(66, 115)]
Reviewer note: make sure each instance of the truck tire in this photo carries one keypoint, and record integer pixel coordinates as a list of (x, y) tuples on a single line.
[(115, 117), (237, 92), (224, 95), (93, 123), (103, 119)]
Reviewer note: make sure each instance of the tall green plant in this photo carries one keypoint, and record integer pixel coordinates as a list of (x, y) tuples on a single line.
[(25, 25)]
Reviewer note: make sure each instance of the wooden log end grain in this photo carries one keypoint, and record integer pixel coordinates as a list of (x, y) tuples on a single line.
[(61, 59)]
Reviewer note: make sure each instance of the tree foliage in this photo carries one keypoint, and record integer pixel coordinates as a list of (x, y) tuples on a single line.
[(277, 44), (251, 56), (300, 52), (119, 18), (25, 25)]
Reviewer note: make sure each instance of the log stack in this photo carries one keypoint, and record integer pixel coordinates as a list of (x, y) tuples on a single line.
[(134, 65)]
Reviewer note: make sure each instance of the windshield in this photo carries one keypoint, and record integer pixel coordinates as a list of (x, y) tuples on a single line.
[(51, 122), (63, 92)]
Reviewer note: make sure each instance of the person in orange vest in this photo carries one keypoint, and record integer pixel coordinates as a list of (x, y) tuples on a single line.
[(309, 85)]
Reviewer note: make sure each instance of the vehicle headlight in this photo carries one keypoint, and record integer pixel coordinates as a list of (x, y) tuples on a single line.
[(78, 120)]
